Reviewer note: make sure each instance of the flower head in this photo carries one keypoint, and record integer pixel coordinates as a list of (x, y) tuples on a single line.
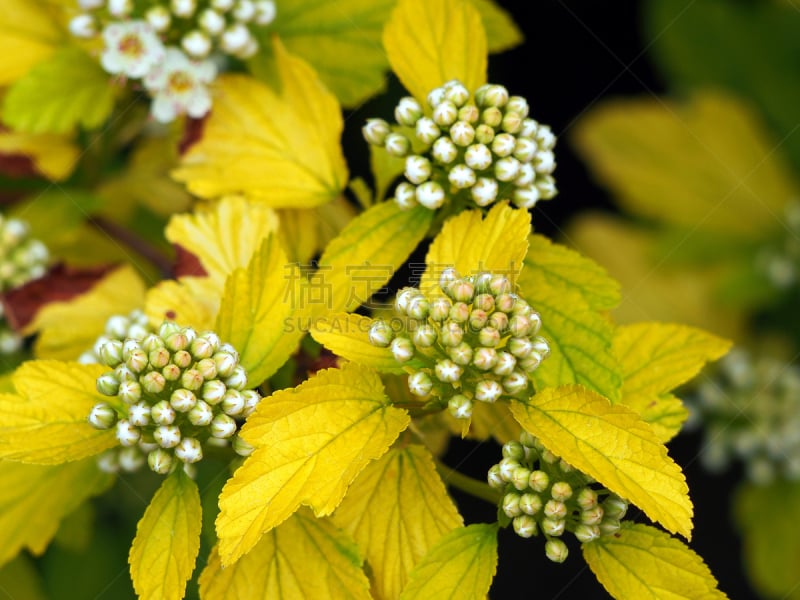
[(132, 48), (178, 86)]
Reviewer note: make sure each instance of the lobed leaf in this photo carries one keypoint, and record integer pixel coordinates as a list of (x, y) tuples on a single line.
[(29, 34), (502, 33), (396, 510), (190, 302), (614, 446), (311, 443)]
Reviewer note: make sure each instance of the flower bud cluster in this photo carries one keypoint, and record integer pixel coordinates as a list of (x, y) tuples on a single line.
[(134, 326), (475, 150), (168, 44), (173, 393), (473, 340), (542, 493), (751, 412)]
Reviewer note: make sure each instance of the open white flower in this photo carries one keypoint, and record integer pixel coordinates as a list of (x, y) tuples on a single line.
[(178, 86), (132, 48)]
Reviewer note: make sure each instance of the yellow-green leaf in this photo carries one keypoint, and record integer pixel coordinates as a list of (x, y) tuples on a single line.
[(20, 580), (28, 35), (397, 510), (191, 302), (706, 164), (501, 32), (35, 498), (645, 563), (304, 557), (65, 90), (45, 421), (385, 169), (461, 565), (68, 329), (167, 540), (430, 43), (558, 267), (766, 516), (488, 421), (472, 243), (54, 156), (613, 445), (365, 255), (224, 235), (254, 315), (279, 148), (311, 443), (347, 335), (655, 358)]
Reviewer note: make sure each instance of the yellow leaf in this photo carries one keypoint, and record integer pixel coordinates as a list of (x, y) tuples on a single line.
[(45, 422), (613, 445), (191, 302), (396, 510), (431, 42), (385, 169), (706, 164), (502, 32), (365, 255), (645, 563), (254, 315), (279, 148), (347, 335), (28, 35), (311, 443), (34, 499), (223, 235), (167, 540), (766, 516), (54, 156), (304, 232), (460, 565), (472, 243), (304, 557), (656, 358), (488, 421), (68, 329)]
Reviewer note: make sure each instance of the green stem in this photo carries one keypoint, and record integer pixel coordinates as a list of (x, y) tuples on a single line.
[(471, 486)]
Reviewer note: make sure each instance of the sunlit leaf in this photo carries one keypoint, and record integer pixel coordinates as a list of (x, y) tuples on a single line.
[(65, 90), (645, 563), (45, 421), (190, 302), (397, 510), (431, 43), (613, 445), (460, 565), (311, 443), (254, 313), (472, 243), (35, 498), (706, 164), (304, 557), (281, 149), (54, 156), (167, 540), (655, 358), (68, 329), (28, 35), (765, 516)]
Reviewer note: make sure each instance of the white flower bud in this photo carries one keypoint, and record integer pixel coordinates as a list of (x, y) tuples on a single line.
[(516, 382), (108, 461), (212, 22), (484, 134), (530, 503), (83, 26), (553, 527), (586, 498), (511, 123), (451, 335), (478, 157), (587, 533), (102, 416), (189, 450), (107, 384), (555, 509), (222, 426), (235, 38), (556, 550), (424, 336), (162, 413), (91, 4), (427, 131), (418, 308), (201, 414), (488, 391), (402, 349), (418, 169), (167, 436), (435, 97), (408, 111), (478, 319), (615, 507), (539, 481), (461, 176), (545, 137), (544, 162), (519, 477), (507, 467), (541, 346), (445, 114), (609, 526), (484, 192), (506, 169), (505, 364), (524, 526), (404, 298), (440, 308), (547, 187), (519, 105), (159, 18), (380, 334), (510, 505), (503, 145), (265, 12), (447, 371), (245, 11), (119, 8), (520, 326), (238, 380), (431, 195), (130, 459), (462, 133), (489, 337), (456, 92), (183, 8), (222, 5), (493, 477), (139, 414), (405, 195), (183, 400), (420, 383), (375, 131), (592, 516), (444, 151), (192, 379), (460, 407), (460, 354), (226, 363), (196, 43), (494, 95), (233, 403), (129, 391), (126, 433), (251, 400), (397, 145), (459, 312), (160, 461), (485, 359)]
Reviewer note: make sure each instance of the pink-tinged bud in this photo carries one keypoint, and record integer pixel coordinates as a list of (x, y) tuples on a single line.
[(238, 379), (233, 403), (488, 391), (484, 359), (402, 349), (183, 400), (201, 414)]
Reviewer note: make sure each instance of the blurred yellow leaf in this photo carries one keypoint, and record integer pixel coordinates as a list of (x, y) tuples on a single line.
[(28, 35), (68, 329), (396, 510), (167, 540), (502, 33), (254, 312), (656, 358), (20, 580), (45, 422), (431, 43), (707, 164), (304, 557), (612, 444), (645, 563), (471, 243), (461, 565), (54, 156), (35, 498), (282, 149), (190, 302), (304, 232), (311, 443)]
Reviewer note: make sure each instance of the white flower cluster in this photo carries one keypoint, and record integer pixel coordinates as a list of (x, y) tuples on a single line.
[(751, 413), (168, 45), (476, 151)]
